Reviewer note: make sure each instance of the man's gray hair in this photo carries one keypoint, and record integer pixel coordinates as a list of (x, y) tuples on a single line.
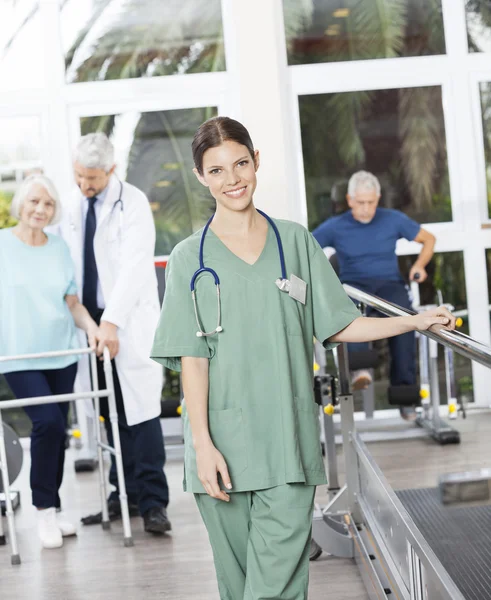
[(24, 190), (363, 180), (95, 151)]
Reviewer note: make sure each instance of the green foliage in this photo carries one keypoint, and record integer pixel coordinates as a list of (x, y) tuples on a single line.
[(465, 385), (478, 14), (5, 219)]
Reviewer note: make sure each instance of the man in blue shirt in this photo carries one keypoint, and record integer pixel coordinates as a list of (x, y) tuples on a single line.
[(364, 239)]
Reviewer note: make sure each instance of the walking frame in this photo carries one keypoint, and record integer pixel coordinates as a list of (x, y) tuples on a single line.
[(115, 450)]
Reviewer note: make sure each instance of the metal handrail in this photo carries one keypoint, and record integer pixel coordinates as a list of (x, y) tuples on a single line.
[(455, 340)]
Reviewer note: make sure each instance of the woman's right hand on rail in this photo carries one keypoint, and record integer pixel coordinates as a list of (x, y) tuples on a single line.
[(210, 463), (93, 336)]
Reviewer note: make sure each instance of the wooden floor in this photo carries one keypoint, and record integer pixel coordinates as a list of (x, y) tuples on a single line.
[(96, 566)]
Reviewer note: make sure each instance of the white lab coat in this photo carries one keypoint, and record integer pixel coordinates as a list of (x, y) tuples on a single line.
[(124, 246)]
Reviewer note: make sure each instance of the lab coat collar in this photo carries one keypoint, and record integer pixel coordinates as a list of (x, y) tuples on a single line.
[(112, 196)]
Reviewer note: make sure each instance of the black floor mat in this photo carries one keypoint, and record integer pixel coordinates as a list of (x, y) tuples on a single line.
[(460, 538)]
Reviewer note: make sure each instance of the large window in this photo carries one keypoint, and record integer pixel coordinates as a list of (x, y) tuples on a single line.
[(153, 152), (342, 30), (397, 134), (478, 16), (21, 46), (122, 39)]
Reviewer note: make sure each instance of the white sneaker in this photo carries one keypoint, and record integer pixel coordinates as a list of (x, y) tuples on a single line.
[(67, 529), (48, 530), (361, 380)]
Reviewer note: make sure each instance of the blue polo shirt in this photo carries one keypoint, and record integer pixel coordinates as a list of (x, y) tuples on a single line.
[(366, 251)]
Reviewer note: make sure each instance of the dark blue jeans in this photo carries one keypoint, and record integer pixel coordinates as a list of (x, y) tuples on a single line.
[(402, 347), (142, 447), (49, 423)]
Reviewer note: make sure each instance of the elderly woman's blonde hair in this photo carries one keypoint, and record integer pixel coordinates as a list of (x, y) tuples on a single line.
[(24, 189)]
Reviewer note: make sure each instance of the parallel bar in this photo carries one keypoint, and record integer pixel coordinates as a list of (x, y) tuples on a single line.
[(46, 354), (459, 342), (55, 398)]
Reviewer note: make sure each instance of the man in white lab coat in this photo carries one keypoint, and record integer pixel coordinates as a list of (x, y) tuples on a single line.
[(111, 234)]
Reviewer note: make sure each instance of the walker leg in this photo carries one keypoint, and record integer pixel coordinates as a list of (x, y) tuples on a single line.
[(106, 524), (15, 558), (113, 416), (3, 541)]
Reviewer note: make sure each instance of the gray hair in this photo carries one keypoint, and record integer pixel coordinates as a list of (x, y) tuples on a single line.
[(24, 189), (365, 181), (95, 151)]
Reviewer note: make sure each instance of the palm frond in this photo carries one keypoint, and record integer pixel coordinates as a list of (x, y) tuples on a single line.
[(148, 38), (344, 111), (422, 141), (297, 16), (380, 28)]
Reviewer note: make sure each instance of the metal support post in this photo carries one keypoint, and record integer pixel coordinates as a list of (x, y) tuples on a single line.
[(434, 385), (102, 475), (347, 429)]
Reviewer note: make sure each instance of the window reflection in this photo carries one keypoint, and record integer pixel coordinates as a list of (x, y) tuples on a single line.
[(342, 30), (21, 46), (153, 152), (399, 135), (478, 17), (122, 39), (485, 90), (20, 155)]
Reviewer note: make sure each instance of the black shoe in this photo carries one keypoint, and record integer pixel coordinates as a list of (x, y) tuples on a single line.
[(155, 520), (114, 510)]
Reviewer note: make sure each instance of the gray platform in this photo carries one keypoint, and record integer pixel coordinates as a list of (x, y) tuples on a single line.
[(460, 537)]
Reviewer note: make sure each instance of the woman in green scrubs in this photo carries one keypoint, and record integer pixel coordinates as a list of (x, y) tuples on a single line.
[(251, 426)]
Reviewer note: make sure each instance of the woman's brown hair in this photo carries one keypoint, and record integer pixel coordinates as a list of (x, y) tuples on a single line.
[(215, 131)]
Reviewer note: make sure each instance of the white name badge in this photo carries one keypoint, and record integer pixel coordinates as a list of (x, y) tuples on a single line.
[(298, 289)]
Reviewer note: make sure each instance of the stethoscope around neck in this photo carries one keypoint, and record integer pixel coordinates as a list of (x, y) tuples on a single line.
[(202, 269), (121, 209)]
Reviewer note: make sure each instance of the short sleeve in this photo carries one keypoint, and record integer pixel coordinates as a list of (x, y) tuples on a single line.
[(71, 289), (331, 307), (176, 331), (407, 228), (324, 234)]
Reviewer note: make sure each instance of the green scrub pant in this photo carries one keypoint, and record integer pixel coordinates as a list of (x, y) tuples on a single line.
[(261, 542)]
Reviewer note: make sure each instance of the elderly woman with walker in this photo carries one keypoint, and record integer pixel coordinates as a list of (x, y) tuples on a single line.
[(244, 298), (39, 311)]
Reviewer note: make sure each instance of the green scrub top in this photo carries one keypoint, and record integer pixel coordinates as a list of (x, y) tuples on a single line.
[(261, 409)]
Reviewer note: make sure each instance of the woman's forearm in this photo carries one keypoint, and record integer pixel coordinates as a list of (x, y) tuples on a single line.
[(195, 388), (81, 316), (367, 329)]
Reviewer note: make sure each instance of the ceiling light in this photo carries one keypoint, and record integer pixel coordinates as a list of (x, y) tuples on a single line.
[(333, 30), (341, 13)]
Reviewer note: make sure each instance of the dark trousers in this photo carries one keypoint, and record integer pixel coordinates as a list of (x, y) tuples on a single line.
[(49, 423), (402, 347), (142, 447)]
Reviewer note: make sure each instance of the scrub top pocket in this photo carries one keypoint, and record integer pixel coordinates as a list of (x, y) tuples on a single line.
[(308, 428), (228, 435), (293, 315)]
